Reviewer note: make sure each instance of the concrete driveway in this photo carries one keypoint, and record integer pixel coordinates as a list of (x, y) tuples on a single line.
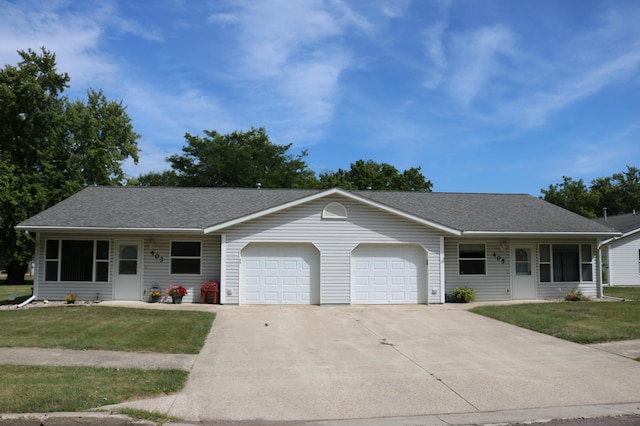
[(311, 363)]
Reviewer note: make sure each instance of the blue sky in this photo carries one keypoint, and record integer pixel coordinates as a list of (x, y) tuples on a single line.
[(486, 96)]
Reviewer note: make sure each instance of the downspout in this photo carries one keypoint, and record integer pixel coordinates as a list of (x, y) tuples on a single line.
[(26, 302), (35, 280)]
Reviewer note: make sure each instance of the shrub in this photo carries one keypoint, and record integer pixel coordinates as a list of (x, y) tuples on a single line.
[(463, 295), (576, 295)]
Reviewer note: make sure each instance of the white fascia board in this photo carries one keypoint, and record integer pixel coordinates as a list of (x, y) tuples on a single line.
[(538, 234), (324, 194), (619, 237), (101, 230)]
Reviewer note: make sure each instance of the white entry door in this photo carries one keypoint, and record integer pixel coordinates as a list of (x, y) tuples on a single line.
[(128, 271), (524, 283)]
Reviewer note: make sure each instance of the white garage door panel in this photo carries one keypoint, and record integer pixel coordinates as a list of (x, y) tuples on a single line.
[(278, 274), (388, 275)]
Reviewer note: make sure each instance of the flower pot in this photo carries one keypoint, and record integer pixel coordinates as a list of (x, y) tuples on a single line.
[(70, 302), (176, 300), (155, 299)]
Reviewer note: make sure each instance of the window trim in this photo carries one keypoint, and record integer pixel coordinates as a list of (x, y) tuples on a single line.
[(172, 257), (483, 259), (94, 262)]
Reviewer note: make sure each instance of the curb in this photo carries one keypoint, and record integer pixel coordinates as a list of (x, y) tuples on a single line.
[(71, 419)]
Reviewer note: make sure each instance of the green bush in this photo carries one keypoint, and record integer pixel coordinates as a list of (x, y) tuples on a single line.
[(463, 295), (576, 295)]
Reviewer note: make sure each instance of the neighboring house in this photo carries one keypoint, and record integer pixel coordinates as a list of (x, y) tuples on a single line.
[(312, 246), (621, 254)]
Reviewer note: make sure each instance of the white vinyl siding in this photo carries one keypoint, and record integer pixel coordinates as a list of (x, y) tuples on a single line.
[(156, 267), (624, 261), (495, 284), (334, 239)]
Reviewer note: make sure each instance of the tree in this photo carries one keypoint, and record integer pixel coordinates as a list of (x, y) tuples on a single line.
[(166, 178), (239, 159), (51, 148), (572, 195), (618, 194), (377, 176)]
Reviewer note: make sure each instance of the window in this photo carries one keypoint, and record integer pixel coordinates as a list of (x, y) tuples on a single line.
[(76, 260), (566, 263), (545, 263), (128, 262), (185, 257), (472, 259), (586, 263)]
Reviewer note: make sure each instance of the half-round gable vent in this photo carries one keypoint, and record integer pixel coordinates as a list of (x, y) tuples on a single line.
[(334, 211)]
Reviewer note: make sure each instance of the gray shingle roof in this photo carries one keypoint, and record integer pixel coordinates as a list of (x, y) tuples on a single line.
[(159, 207), (622, 222), (199, 208)]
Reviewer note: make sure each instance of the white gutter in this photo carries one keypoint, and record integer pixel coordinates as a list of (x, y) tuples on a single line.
[(105, 229), (29, 300), (539, 234)]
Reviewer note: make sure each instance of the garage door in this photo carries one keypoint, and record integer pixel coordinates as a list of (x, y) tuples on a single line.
[(279, 274), (388, 275)]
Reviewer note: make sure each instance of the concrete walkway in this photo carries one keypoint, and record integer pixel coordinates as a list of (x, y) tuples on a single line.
[(383, 365)]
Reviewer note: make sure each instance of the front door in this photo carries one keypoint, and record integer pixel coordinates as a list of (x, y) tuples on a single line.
[(128, 271), (524, 284)]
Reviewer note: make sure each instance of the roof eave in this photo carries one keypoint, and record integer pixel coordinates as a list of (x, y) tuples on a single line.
[(107, 229), (540, 234)]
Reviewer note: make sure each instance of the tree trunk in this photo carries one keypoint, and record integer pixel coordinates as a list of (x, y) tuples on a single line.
[(15, 273)]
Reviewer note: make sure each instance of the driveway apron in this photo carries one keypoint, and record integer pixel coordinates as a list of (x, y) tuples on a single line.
[(312, 363)]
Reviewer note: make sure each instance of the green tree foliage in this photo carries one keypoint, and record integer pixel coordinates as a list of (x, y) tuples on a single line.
[(166, 178), (572, 195), (51, 147), (239, 159), (376, 176), (619, 194)]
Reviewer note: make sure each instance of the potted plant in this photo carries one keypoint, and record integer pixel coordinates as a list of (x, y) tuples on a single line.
[(209, 292), (155, 296), (71, 298), (177, 292)]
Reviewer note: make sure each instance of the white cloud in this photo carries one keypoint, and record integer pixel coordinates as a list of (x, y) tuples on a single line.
[(292, 53), (433, 40), (395, 8), (584, 82), (223, 18), (72, 38), (476, 60)]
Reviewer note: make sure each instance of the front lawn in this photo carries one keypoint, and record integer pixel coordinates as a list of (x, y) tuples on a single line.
[(628, 293), (23, 290), (580, 322), (106, 328), (37, 389)]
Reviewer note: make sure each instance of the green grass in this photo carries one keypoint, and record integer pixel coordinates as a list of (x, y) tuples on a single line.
[(158, 418), (24, 292), (629, 293), (106, 328), (47, 389), (580, 322)]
